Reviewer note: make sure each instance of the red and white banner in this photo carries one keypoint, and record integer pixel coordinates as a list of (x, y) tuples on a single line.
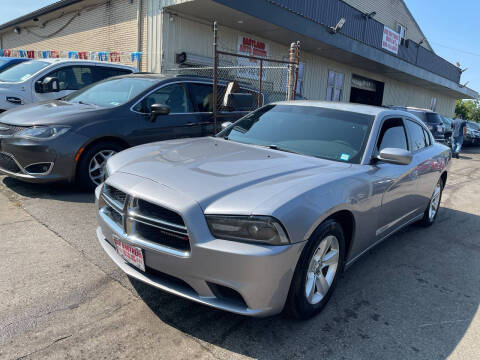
[(251, 47), (391, 40)]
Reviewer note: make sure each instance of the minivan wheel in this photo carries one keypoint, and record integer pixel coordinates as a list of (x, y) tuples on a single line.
[(91, 167), (317, 271), (434, 205)]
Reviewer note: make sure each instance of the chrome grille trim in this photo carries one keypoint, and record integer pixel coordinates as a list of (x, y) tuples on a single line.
[(130, 216), (134, 215), (9, 130)]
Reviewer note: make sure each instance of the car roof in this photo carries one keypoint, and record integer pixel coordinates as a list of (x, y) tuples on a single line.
[(408, 108), (96, 62), (14, 58), (343, 106)]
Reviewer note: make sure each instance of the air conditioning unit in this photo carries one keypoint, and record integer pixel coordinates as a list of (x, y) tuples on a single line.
[(189, 59)]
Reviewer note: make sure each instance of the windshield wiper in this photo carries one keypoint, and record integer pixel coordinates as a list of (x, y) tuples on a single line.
[(276, 147)]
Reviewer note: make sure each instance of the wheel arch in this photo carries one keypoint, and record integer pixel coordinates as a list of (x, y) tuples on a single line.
[(92, 142), (444, 178), (346, 219)]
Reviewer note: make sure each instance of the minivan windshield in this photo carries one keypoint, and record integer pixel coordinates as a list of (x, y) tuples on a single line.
[(307, 130), (112, 92), (23, 71), (433, 118)]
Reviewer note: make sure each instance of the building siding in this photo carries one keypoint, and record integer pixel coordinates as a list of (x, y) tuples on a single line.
[(392, 13), (109, 26), (181, 33)]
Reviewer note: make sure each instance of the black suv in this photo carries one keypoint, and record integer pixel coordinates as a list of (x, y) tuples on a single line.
[(430, 118)]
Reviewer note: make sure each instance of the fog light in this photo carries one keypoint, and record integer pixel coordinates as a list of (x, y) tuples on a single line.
[(40, 168)]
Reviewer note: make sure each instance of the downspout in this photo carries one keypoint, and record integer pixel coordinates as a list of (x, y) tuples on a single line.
[(139, 33)]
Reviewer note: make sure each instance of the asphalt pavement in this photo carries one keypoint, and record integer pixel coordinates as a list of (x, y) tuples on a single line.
[(415, 296)]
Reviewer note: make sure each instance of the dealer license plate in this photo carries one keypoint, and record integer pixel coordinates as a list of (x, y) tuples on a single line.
[(131, 254)]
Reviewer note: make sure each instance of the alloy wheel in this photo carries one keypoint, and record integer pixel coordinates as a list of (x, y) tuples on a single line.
[(322, 269), (435, 202), (96, 168)]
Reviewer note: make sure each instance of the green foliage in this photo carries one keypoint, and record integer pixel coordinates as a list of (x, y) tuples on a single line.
[(469, 109)]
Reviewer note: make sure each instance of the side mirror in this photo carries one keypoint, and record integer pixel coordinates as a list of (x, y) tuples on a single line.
[(226, 124), (395, 156), (158, 110), (241, 102), (49, 84)]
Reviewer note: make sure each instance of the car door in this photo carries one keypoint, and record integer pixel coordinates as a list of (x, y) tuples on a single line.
[(398, 182), (179, 123), (70, 78), (425, 165)]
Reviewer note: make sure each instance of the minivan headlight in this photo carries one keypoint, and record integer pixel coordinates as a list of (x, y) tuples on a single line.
[(43, 132), (260, 229)]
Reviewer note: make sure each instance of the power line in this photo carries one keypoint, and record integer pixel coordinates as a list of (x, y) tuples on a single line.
[(452, 48)]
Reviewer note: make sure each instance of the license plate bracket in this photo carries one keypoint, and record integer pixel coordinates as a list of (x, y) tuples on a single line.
[(131, 254)]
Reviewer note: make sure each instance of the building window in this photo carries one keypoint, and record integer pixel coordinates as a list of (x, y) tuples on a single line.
[(335, 86), (402, 30), (433, 104)]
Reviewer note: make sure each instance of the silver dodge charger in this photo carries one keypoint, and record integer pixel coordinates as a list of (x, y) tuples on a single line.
[(267, 214)]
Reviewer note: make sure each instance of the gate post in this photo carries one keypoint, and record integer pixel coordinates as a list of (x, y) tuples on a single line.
[(215, 74), (291, 72)]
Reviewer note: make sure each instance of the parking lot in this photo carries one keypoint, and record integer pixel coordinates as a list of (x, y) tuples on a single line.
[(416, 295)]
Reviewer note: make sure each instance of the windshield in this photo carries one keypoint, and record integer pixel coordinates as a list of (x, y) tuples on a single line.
[(308, 130), (473, 125), (22, 71), (433, 118), (111, 92)]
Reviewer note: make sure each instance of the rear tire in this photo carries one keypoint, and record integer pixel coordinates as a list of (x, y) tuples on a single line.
[(90, 170), (434, 205), (317, 271)]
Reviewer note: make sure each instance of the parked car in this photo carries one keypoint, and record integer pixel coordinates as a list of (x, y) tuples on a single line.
[(71, 138), (267, 214), (447, 122), (8, 62), (47, 79), (431, 119), (472, 137)]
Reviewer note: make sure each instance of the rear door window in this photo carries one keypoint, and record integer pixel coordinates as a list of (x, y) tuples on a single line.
[(417, 135), (103, 72), (201, 96)]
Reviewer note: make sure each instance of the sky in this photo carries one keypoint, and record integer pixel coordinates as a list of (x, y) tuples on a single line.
[(448, 25)]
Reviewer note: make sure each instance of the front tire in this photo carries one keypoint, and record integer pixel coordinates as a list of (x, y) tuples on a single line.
[(317, 271), (90, 171), (434, 205)]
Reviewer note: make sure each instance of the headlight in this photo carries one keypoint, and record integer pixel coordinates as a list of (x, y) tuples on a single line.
[(43, 132), (261, 229)]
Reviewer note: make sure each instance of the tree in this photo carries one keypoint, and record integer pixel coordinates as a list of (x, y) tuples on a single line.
[(469, 109)]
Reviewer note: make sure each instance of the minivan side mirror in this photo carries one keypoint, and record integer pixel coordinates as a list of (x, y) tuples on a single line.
[(241, 102), (47, 85), (395, 156), (226, 124), (158, 110)]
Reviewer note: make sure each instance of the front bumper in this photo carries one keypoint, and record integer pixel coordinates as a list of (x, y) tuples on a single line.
[(39, 161), (259, 274)]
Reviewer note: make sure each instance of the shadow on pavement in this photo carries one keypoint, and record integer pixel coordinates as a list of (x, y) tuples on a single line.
[(56, 191), (413, 296)]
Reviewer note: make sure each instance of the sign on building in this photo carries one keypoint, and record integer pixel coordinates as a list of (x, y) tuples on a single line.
[(391, 40), (250, 68)]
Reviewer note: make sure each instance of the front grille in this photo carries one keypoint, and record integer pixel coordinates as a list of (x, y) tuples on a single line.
[(157, 212), (8, 163), (162, 236), (145, 221), (116, 195), (6, 129)]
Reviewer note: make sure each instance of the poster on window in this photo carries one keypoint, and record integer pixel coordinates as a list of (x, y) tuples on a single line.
[(391, 40), (250, 68)]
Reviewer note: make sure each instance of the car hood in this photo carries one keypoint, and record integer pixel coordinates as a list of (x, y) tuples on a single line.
[(48, 113), (225, 176)]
